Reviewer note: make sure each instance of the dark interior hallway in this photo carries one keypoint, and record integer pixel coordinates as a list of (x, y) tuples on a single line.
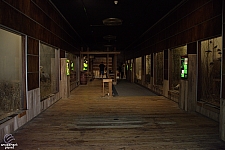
[(87, 121)]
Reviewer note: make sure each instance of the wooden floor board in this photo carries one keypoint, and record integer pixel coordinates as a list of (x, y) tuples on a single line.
[(88, 121)]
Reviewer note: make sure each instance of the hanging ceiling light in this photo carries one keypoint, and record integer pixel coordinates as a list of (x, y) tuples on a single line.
[(112, 21), (115, 2)]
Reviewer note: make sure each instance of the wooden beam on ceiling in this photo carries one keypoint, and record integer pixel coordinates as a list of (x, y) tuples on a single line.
[(96, 53)]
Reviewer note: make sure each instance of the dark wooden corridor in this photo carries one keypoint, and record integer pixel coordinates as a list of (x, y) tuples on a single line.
[(87, 121)]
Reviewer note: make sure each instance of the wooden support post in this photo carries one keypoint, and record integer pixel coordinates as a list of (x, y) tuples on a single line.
[(183, 94), (115, 68), (192, 82), (107, 65), (88, 59), (143, 69), (64, 90), (222, 99), (81, 60), (133, 70), (222, 119), (154, 68)]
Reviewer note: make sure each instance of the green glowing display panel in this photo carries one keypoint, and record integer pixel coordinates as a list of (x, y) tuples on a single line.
[(72, 66), (67, 67), (184, 67), (85, 68)]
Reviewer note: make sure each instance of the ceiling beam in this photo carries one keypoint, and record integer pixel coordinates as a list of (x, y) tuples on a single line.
[(95, 53)]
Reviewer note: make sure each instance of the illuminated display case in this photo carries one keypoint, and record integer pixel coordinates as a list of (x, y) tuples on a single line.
[(184, 67)]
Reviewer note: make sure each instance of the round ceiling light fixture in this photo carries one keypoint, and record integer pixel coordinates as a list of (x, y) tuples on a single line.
[(112, 22), (116, 2)]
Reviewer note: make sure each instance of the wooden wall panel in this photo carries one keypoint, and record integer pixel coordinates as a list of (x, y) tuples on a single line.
[(192, 48), (33, 63), (32, 46), (22, 6), (190, 22), (62, 54), (33, 81), (31, 19)]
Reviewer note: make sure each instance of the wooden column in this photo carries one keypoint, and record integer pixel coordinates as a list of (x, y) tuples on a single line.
[(143, 69), (133, 70), (222, 100), (78, 69), (115, 68), (128, 71), (166, 72), (183, 94), (154, 69), (192, 76), (107, 65), (170, 57), (81, 60), (88, 59), (64, 91)]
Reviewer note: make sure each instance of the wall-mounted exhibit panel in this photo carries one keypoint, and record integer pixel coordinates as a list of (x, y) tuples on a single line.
[(210, 65), (11, 77), (49, 71)]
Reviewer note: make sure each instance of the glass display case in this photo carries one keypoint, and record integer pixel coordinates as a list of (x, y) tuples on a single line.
[(11, 81), (210, 67), (178, 69), (49, 71)]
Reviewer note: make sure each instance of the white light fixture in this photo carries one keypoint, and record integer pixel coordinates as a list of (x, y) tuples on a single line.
[(115, 2), (112, 22)]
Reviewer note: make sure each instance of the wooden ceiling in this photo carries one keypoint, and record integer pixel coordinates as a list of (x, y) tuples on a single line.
[(136, 16)]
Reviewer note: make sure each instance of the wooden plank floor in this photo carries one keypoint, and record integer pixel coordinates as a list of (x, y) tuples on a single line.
[(87, 121)]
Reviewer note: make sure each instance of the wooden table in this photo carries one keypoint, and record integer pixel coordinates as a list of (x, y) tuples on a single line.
[(109, 81)]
